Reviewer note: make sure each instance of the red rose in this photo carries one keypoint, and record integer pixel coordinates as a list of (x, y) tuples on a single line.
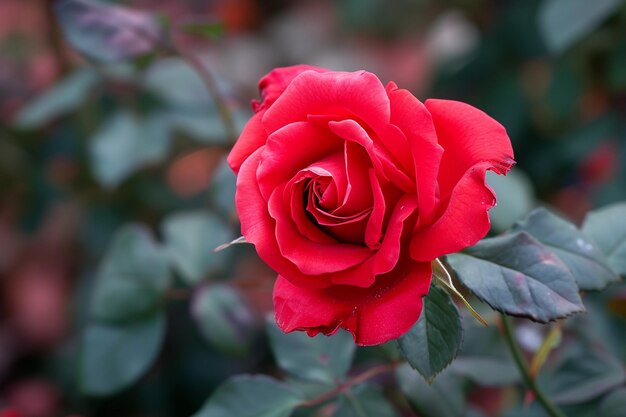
[(349, 190)]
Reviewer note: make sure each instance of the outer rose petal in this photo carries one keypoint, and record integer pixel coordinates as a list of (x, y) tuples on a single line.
[(373, 315), (464, 222), (291, 149), (350, 94), (473, 143), (252, 138), (259, 228), (276, 81), (468, 136), (271, 87), (412, 117)]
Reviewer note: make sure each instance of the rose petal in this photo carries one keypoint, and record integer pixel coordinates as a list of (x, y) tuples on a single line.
[(412, 117), (395, 142), (349, 229), (358, 196), (374, 228), (473, 143), (387, 256), (258, 227), (359, 94), (276, 81), (252, 138), (468, 137), (299, 217), (373, 315), (352, 131), (293, 148), (312, 258)]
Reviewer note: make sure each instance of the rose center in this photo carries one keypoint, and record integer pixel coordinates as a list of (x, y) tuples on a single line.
[(321, 206)]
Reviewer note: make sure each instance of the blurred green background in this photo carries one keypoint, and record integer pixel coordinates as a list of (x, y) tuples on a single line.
[(91, 142)]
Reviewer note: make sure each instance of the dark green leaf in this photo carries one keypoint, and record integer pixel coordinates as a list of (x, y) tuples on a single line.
[(124, 144), (203, 126), (515, 198), (251, 396), (614, 404), (224, 318), (606, 226), (212, 30), (321, 358), (190, 238), (64, 97), (176, 83), (115, 356), (519, 276), (584, 373), (443, 398), (434, 340), (108, 33), (132, 278), (364, 401), (189, 108), (565, 22), (579, 253)]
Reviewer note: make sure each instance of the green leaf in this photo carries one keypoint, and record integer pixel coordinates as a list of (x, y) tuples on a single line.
[(321, 358), (579, 253), (364, 400), (582, 374), (251, 396), (614, 404), (108, 33), (132, 278), (224, 318), (515, 198), (203, 126), (517, 275), (565, 22), (212, 30), (190, 239), (175, 82), (606, 226), (63, 98), (434, 340), (115, 356), (124, 144), (443, 398)]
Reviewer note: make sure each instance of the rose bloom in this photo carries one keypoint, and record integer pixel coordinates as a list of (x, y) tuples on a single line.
[(350, 189)]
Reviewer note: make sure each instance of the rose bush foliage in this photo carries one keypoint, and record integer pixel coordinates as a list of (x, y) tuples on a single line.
[(349, 189)]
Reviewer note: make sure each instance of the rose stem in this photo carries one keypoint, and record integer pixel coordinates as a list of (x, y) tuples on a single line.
[(205, 75), (362, 377), (209, 81), (521, 364)]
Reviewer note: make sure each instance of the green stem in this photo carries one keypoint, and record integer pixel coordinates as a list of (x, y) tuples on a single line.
[(369, 374), (211, 84), (521, 364), (205, 75)]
